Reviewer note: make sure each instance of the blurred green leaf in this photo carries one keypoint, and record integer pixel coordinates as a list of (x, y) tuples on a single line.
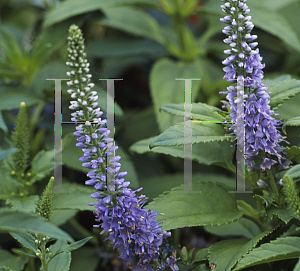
[(32, 223), (119, 47), (213, 206), (11, 48), (12, 96), (8, 259), (41, 165), (6, 153), (293, 153), (133, 21), (85, 258), (166, 89), (26, 204), (72, 8), (75, 245)]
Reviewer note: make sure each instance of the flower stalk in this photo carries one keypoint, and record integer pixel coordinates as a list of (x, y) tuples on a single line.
[(131, 229)]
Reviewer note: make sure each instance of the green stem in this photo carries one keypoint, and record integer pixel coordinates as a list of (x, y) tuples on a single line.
[(43, 256), (179, 26)]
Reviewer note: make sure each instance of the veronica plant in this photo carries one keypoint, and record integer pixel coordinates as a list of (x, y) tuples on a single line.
[(131, 229)]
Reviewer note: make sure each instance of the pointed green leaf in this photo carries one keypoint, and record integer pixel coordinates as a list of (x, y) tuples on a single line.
[(200, 111), (196, 209), (72, 8), (283, 91), (75, 245), (212, 153), (201, 133), (42, 164), (26, 239), (166, 89), (291, 122), (280, 249), (62, 261), (11, 47), (31, 223), (201, 255), (226, 254), (285, 215)]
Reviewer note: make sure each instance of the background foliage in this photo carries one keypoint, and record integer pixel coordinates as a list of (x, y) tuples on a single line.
[(148, 43)]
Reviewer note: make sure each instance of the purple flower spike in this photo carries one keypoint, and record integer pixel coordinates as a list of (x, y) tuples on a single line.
[(243, 62), (130, 229)]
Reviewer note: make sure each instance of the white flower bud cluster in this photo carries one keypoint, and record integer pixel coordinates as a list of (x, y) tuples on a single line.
[(80, 84)]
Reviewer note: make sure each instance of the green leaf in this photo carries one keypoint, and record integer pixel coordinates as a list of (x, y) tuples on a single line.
[(291, 122), (31, 223), (107, 47), (166, 89), (282, 91), (6, 153), (196, 209), (243, 227), (294, 172), (201, 133), (12, 96), (26, 239), (62, 261), (285, 215), (277, 250), (16, 263), (61, 216), (200, 111), (213, 153), (26, 204), (201, 255), (78, 199), (226, 254), (270, 81), (290, 108), (275, 23), (134, 21), (72, 8), (75, 245), (168, 181), (4, 268), (11, 48), (293, 153), (42, 164)]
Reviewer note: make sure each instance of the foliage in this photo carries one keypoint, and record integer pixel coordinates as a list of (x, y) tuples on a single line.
[(150, 44)]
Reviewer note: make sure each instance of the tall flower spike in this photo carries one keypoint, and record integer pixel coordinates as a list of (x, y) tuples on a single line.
[(44, 207), (244, 63), (131, 229)]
